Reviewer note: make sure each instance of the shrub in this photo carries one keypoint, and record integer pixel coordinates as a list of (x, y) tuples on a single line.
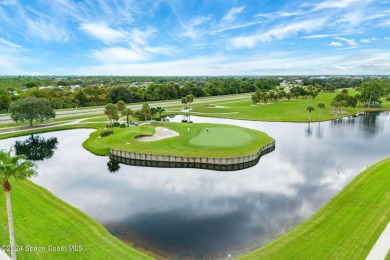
[(106, 132), (116, 124), (158, 119), (122, 125)]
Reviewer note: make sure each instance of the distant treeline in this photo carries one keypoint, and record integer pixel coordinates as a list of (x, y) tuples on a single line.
[(67, 92)]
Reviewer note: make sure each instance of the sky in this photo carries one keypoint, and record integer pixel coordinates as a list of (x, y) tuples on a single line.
[(194, 37)]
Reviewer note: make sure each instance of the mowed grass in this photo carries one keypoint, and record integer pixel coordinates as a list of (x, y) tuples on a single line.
[(125, 139), (347, 227), (222, 137), (42, 220), (293, 110)]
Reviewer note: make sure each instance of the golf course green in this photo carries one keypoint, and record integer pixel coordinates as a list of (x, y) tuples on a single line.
[(222, 137), (197, 140)]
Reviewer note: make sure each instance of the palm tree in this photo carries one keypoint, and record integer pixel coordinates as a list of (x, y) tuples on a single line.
[(184, 101), (19, 168), (145, 110), (127, 112), (112, 113), (160, 110), (153, 111), (320, 106), (189, 98), (310, 109), (121, 105)]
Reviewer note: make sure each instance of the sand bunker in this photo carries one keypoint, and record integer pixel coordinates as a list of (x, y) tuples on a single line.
[(161, 133)]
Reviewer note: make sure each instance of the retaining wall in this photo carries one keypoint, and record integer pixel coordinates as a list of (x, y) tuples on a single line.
[(158, 160)]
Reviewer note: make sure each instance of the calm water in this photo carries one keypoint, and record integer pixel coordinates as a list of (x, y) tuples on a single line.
[(207, 214)]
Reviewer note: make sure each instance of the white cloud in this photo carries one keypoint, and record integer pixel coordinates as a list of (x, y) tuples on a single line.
[(337, 4), (139, 37), (350, 42), (237, 26), (368, 40), (47, 31), (119, 55), (190, 28), (231, 14), (352, 62), (278, 33), (337, 44), (102, 32), (320, 36), (9, 44)]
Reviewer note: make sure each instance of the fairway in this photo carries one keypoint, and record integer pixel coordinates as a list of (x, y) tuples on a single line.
[(222, 137)]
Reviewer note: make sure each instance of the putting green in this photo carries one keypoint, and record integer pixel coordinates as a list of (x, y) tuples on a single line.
[(222, 137)]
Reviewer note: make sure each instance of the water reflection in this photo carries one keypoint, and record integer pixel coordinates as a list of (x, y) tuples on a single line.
[(113, 165), (36, 147), (207, 214), (369, 123)]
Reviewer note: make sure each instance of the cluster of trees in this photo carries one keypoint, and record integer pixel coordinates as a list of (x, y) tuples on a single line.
[(113, 110), (113, 91), (277, 95), (69, 92)]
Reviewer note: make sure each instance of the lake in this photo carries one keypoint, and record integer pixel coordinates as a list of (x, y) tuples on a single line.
[(193, 213)]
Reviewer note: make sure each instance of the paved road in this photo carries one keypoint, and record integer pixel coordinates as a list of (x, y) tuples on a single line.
[(63, 113)]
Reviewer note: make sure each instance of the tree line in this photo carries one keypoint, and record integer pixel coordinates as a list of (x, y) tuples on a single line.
[(101, 95)]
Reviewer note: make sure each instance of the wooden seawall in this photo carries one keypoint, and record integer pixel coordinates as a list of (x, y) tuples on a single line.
[(159, 160)]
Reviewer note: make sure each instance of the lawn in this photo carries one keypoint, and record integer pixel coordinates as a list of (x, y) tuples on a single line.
[(221, 137), (42, 220), (347, 227), (293, 110), (193, 140)]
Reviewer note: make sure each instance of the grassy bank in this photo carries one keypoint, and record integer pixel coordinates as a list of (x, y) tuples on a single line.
[(282, 111), (347, 227), (193, 140), (42, 220)]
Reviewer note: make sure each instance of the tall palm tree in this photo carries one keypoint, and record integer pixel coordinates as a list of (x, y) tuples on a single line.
[(127, 112), (18, 168), (145, 110), (153, 111), (320, 106), (160, 110), (189, 98), (310, 109), (112, 112), (184, 102), (121, 105)]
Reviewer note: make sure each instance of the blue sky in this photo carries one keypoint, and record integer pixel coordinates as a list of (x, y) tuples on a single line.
[(194, 37)]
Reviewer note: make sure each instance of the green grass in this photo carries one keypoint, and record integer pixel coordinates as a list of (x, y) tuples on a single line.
[(125, 139), (49, 129), (41, 219), (222, 137), (347, 227), (388, 256), (282, 111)]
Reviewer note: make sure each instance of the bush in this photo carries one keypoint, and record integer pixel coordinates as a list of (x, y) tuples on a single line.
[(116, 124), (106, 132), (122, 125), (158, 119)]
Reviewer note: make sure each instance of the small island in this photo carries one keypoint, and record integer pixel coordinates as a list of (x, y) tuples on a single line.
[(183, 145)]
